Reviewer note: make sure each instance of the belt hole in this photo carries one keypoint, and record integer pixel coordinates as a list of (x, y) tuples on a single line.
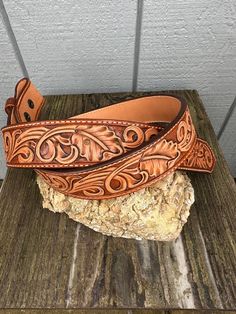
[(27, 116), (31, 103)]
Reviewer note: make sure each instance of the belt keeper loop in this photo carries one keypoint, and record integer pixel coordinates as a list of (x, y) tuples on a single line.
[(9, 107)]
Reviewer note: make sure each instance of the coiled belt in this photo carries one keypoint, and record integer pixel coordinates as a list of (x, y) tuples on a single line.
[(107, 152)]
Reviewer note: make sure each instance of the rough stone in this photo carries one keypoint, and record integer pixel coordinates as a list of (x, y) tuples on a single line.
[(157, 212)]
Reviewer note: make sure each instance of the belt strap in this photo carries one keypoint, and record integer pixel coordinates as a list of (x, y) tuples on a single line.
[(107, 152)]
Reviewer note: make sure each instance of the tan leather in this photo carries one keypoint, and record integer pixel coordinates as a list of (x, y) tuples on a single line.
[(107, 152)]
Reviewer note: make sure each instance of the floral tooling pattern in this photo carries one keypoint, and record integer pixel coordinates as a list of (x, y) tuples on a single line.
[(130, 174), (72, 144)]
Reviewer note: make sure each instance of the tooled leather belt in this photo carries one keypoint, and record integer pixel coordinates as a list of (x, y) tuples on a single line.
[(107, 152)]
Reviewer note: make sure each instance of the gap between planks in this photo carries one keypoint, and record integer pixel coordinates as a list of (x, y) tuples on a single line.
[(137, 42), (12, 38)]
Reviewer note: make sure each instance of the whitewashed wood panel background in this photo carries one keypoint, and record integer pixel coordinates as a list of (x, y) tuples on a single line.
[(77, 46), (228, 139), (10, 72)]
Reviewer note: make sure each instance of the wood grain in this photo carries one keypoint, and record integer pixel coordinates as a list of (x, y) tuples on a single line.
[(96, 311), (49, 261)]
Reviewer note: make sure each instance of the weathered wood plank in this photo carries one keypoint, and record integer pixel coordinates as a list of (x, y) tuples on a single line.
[(39, 243), (36, 253), (76, 46), (210, 239), (97, 311), (79, 268)]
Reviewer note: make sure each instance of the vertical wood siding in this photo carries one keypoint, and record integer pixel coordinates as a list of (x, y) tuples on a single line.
[(80, 46), (10, 72), (76, 46), (228, 140), (190, 45)]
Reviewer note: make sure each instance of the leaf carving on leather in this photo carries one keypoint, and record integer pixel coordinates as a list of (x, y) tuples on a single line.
[(90, 185), (67, 144), (200, 158), (112, 180), (57, 182), (159, 158), (126, 176), (21, 144), (185, 133), (96, 142), (116, 179)]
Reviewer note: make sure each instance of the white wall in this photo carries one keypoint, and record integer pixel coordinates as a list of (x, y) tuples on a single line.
[(79, 46)]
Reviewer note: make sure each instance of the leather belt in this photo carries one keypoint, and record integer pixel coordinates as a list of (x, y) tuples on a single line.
[(107, 152)]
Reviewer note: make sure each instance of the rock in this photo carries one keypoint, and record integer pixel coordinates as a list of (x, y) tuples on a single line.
[(157, 212)]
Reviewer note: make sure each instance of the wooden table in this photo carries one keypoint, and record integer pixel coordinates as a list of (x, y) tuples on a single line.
[(50, 261)]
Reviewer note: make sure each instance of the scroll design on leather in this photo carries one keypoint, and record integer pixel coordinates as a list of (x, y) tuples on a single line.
[(185, 133), (20, 145), (159, 158), (68, 144), (128, 175), (201, 157), (109, 157)]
